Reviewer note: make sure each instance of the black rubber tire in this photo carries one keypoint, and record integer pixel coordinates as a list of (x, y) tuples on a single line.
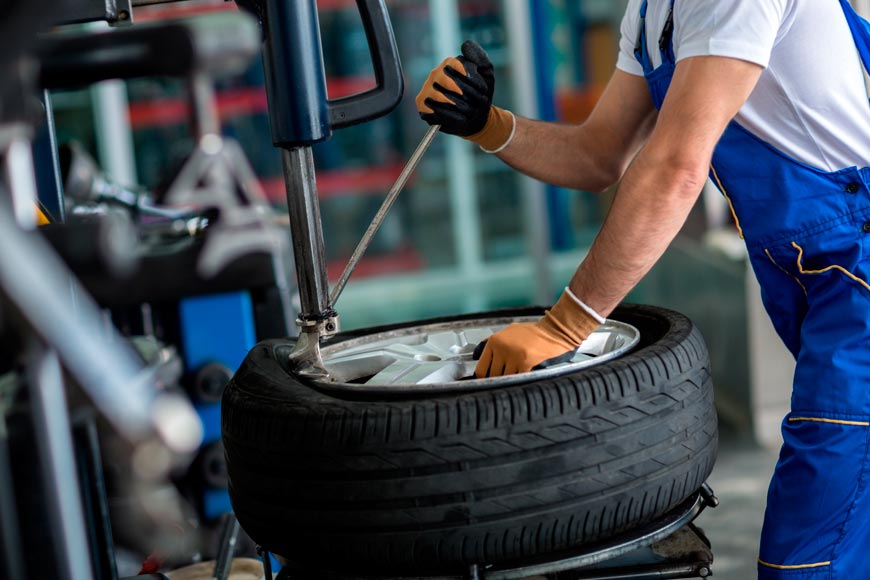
[(432, 485)]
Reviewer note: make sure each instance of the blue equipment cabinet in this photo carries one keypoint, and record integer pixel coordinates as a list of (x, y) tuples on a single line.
[(217, 331)]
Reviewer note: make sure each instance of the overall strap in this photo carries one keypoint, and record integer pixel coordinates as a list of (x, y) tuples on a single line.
[(666, 41), (860, 32), (641, 49)]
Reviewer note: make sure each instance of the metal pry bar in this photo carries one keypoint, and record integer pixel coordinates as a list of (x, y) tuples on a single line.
[(373, 228)]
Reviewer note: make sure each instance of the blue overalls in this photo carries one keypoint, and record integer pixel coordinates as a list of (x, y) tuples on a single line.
[(808, 236)]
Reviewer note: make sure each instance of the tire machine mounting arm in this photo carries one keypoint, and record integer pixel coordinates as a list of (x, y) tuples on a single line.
[(300, 116)]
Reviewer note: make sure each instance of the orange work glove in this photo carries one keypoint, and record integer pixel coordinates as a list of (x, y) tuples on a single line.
[(524, 345), (458, 97)]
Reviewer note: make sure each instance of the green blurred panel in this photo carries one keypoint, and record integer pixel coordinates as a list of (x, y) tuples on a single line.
[(443, 292)]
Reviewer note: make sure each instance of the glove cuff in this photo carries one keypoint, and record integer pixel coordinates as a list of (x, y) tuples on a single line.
[(600, 319), (571, 319), (498, 131)]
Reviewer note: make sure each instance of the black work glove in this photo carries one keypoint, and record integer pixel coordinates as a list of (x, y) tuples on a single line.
[(458, 96)]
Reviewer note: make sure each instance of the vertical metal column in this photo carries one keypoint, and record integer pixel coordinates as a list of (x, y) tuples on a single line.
[(57, 460), (11, 552), (94, 496), (461, 177), (203, 104), (300, 115), (17, 172), (113, 132), (307, 233), (537, 222)]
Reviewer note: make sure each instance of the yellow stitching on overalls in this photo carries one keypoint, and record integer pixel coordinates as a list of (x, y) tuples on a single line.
[(846, 272), (799, 567), (728, 199), (834, 421), (786, 272)]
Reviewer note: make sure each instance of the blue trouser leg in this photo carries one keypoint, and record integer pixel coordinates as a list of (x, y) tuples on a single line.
[(817, 523)]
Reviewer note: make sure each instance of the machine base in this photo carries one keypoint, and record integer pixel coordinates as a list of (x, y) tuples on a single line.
[(670, 547)]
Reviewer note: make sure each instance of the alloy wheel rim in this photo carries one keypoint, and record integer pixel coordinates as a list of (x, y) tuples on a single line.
[(438, 357)]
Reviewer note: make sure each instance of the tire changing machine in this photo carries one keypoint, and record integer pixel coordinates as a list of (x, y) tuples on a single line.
[(300, 116)]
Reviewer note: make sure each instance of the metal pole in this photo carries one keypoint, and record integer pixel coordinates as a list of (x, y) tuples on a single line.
[(307, 234), (35, 284), (537, 222), (17, 171), (229, 537), (57, 460), (267, 562), (461, 174), (113, 132), (203, 105), (11, 553)]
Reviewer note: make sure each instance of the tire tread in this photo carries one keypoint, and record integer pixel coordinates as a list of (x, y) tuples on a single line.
[(315, 476)]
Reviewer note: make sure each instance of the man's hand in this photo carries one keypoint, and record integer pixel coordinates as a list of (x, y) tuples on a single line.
[(458, 97), (522, 346)]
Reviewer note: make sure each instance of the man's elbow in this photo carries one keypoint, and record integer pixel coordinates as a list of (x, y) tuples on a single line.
[(689, 181), (681, 176)]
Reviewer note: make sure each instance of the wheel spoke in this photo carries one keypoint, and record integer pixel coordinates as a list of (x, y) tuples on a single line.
[(417, 373), (458, 342), (599, 343)]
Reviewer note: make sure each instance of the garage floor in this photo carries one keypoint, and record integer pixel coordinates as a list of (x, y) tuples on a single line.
[(740, 480)]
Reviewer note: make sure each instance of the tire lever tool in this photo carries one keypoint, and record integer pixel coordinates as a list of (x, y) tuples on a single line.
[(378, 220), (306, 356)]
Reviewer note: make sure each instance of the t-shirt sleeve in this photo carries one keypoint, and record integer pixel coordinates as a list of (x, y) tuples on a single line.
[(743, 29), (626, 60)]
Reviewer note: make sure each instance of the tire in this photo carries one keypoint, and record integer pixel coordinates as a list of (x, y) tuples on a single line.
[(432, 485)]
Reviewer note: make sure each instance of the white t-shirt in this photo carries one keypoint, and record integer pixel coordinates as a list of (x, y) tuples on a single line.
[(810, 102)]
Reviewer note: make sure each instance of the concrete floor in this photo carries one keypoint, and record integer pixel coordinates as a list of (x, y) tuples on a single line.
[(740, 479)]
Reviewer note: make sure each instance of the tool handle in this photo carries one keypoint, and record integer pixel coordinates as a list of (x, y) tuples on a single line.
[(300, 112), (390, 86)]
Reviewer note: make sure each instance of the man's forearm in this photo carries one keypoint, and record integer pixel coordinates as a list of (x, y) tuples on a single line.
[(649, 209), (651, 205), (663, 183), (592, 156), (560, 155)]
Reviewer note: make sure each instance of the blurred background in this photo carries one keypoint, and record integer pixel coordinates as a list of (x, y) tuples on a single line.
[(469, 234)]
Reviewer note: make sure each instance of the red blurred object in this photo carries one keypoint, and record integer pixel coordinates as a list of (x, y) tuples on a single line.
[(231, 103), (374, 180), (575, 105), (152, 564), (169, 11)]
